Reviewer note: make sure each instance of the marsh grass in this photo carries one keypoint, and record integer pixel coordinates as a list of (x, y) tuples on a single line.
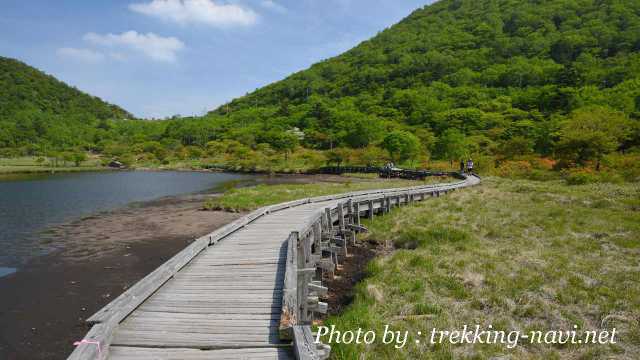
[(31, 165), (516, 254), (251, 198)]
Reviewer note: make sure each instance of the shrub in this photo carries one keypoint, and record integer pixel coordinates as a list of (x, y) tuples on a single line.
[(9, 152), (626, 165), (542, 163), (194, 152), (581, 176), (543, 175), (515, 169)]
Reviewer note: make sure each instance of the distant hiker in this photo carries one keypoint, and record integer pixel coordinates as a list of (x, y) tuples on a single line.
[(461, 166), (386, 170), (469, 166)]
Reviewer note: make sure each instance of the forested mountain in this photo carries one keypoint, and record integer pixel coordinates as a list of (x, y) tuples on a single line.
[(497, 79), (37, 109), (492, 74)]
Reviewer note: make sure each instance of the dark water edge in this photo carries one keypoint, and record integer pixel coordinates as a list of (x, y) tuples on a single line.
[(32, 203), (4, 271)]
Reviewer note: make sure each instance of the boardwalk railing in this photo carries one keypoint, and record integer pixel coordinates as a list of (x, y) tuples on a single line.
[(313, 253), (384, 172)]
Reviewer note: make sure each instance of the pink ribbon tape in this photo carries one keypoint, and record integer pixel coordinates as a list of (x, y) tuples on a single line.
[(91, 342)]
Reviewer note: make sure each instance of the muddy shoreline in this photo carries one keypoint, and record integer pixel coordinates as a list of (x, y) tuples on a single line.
[(47, 301), (44, 305)]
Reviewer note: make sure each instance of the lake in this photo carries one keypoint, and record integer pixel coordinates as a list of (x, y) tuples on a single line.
[(31, 203)]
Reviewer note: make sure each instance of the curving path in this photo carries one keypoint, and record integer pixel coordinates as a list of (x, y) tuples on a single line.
[(246, 291)]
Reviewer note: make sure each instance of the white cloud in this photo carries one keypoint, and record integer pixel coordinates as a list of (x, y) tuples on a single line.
[(155, 47), (84, 55), (274, 6), (197, 11)]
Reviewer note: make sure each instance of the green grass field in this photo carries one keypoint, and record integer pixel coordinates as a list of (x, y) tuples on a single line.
[(516, 254), (251, 198), (31, 165)]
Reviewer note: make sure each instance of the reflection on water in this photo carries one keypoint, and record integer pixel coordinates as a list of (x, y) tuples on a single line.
[(31, 203)]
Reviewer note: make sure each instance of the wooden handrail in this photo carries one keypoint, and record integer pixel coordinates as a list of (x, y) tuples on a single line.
[(289, 312), (310, 259)]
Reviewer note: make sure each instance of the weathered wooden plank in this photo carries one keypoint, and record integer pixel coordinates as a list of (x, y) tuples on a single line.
[(159, 338), (214, 330), (177, 303), (220, 299), (95, 345), (356, 213), (251, 243), (246, 262), (244, 276), (215, 291), (238, 262), (229, 287), (341, 216), (222, 281), (229, 268), (217, 295), (204, 324), (329, 217), (304, 346), (217, 310), (268, 269), (145, 318), (276, 273), (137, 353), (257, 277), (189, 316), (233, 271)]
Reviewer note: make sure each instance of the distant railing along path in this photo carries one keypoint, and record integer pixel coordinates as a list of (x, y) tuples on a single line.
[(248, 290), (384, 172)]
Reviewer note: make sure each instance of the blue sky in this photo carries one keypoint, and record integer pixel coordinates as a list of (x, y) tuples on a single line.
[(158, 58)]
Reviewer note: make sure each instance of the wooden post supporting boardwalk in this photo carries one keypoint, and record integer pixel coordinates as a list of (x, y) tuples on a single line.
[(247, 290)]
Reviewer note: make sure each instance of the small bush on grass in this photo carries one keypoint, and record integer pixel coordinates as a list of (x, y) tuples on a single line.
[(580, 177)]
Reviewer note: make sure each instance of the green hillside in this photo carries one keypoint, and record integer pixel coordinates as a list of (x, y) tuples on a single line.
[(493, 70), (36, 109)]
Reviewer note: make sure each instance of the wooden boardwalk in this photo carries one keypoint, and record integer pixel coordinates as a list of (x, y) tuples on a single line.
[(248, 290)]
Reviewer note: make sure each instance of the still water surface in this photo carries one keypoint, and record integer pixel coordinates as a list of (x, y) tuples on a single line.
[(29, 204)]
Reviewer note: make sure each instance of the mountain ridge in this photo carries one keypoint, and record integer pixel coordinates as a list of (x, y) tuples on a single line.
[(542, 58), (36, 106)]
